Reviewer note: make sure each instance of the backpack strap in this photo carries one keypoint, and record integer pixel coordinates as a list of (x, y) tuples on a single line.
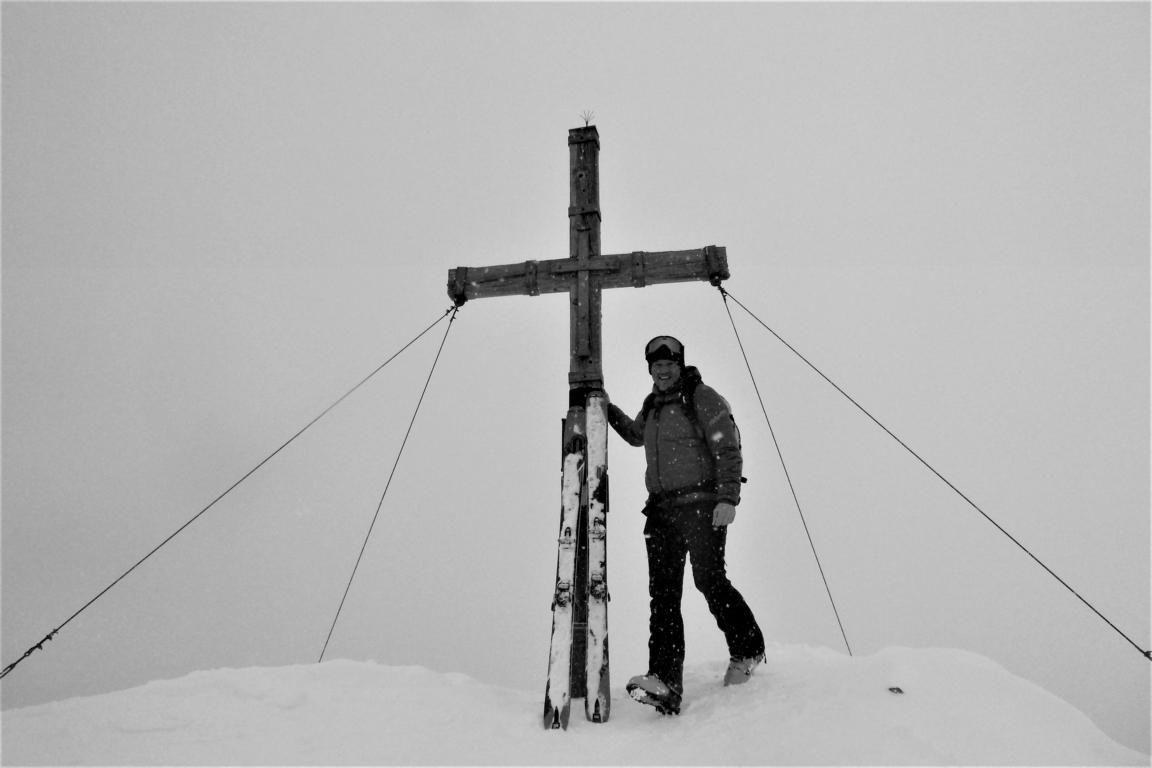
[(688, 399), (649, 405)]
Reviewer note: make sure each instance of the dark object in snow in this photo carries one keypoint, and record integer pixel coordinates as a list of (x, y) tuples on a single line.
[(897, 690)]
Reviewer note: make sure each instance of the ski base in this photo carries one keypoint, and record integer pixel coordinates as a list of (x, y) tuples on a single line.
[(598, 701), (557, 693)]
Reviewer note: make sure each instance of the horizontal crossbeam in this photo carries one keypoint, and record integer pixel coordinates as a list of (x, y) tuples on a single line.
[(635, 270)]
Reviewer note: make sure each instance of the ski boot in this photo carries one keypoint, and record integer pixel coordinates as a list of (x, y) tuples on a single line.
[(739, 670), (651, 690)]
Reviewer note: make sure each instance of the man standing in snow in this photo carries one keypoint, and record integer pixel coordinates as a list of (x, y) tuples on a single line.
[(692, 447)]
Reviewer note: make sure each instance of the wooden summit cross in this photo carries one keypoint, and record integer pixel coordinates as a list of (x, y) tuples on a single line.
[(578, 662)]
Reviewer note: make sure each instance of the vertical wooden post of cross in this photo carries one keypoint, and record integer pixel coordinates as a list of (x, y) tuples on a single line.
[(585, 371), (585, 368)]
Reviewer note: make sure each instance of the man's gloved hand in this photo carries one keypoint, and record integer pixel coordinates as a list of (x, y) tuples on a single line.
[(723, 514)]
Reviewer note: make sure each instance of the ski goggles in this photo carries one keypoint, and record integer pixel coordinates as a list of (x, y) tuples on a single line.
[(664, 348)]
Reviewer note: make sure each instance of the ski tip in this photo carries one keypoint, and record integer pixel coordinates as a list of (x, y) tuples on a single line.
[(598, 713), (555, 719)]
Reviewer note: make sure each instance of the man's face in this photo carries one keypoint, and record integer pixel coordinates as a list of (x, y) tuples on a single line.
[(665, 374)]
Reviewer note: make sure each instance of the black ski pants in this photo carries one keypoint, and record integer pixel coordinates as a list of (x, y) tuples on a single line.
[(670, 534)]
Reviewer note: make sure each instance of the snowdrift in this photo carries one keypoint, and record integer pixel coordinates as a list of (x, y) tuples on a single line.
[(804, 707)]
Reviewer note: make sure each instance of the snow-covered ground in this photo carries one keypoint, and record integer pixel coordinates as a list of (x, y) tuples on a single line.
[(806, 706)]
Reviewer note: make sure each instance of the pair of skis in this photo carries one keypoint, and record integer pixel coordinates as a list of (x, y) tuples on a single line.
[(578, 657)]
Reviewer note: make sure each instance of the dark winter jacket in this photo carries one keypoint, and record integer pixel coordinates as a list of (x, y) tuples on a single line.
[(689, 460)]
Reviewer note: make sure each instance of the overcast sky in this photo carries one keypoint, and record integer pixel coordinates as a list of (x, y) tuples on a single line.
[(219, 217)]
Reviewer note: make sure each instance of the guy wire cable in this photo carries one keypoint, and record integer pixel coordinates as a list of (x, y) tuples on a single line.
[(1144, 652), (787, 475), (38, 646), (388, 484)]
